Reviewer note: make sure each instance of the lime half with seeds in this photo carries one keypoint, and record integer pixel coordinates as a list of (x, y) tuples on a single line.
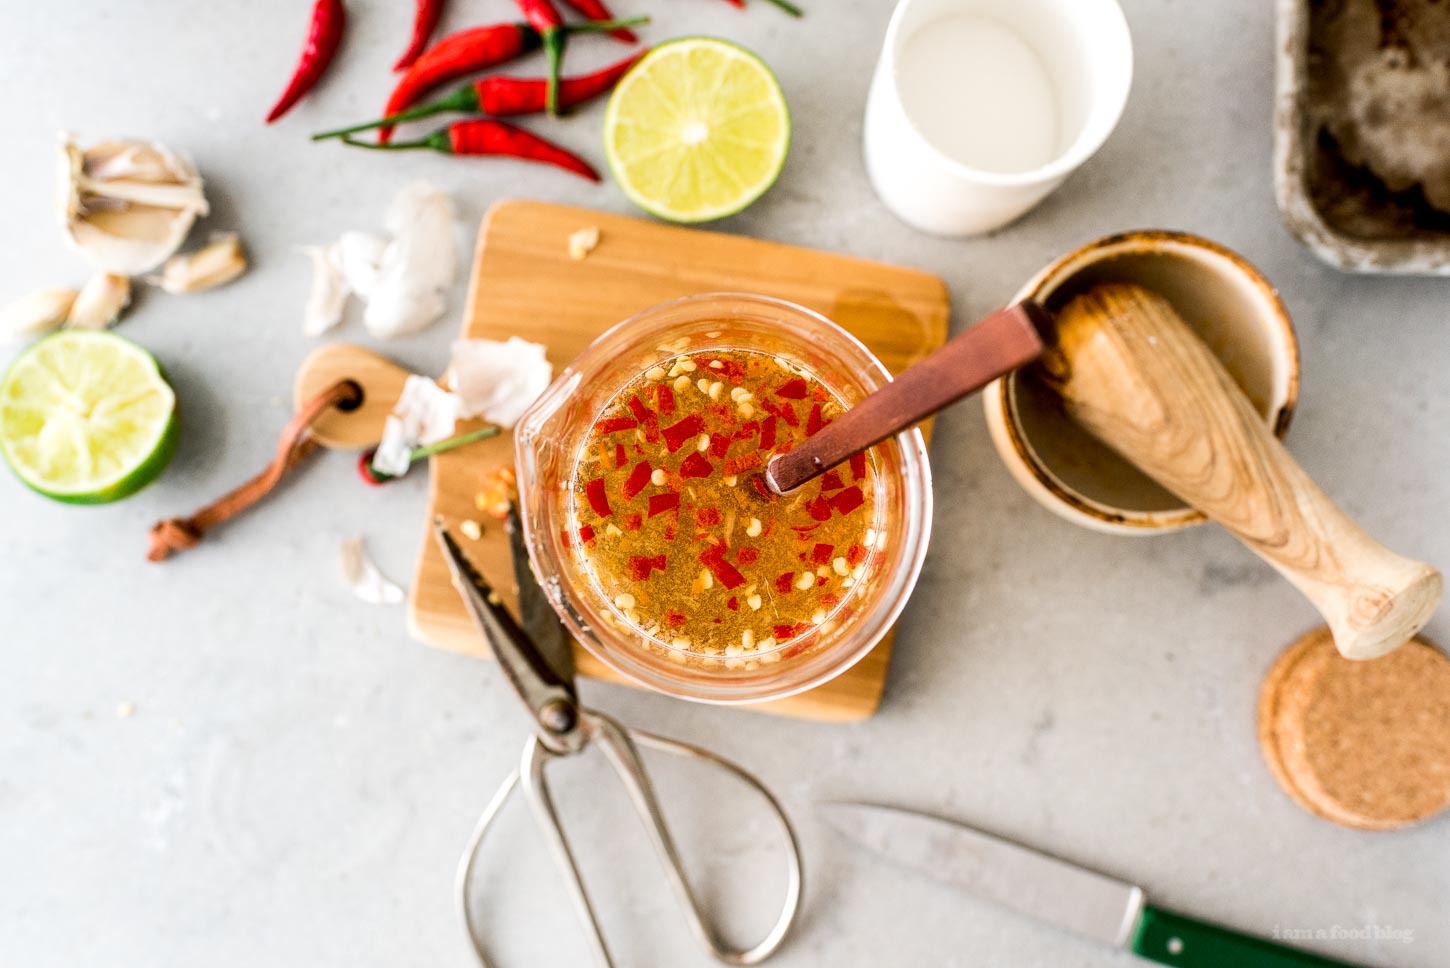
[(697, 130), (86, 417)]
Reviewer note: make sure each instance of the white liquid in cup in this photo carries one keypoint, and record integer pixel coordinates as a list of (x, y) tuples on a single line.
[(980, 94)]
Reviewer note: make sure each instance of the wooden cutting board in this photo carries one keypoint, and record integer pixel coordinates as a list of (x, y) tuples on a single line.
[(525, 284)]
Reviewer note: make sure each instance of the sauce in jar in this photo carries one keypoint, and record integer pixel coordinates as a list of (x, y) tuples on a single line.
[(676, 529)]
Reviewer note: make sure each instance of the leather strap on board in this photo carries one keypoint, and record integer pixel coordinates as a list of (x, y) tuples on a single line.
[(178, 534)]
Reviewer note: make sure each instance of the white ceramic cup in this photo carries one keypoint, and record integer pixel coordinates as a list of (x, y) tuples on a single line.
[(1081, 49)]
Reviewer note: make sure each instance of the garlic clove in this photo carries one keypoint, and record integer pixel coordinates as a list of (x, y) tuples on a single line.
[(127, 205), (100, 302), (213, 265), (329, 292), (35, 313)]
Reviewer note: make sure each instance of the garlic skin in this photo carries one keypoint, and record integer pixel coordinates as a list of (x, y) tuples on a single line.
[(213, 265), (125, 205), (417, 267), (363, 578), (358, 256), (326, 299), (100, 302), (35, 313), (498, 381), (424, 414)]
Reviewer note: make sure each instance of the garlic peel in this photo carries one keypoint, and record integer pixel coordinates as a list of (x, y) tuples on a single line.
[(363, 578), (127, 205), (498, 381), (328, 295), (213, 265), (35, 313), (424, 414), (100, 302)]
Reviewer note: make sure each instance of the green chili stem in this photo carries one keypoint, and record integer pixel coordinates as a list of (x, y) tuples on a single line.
[(438, 141), (439, 447), (461, 100), (605, 26), (789, 7)]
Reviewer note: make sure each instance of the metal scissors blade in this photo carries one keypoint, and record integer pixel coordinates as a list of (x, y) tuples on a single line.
[(536, 615), (550, 698)]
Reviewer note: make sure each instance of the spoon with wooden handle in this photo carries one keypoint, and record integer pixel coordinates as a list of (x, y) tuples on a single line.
[(1004, 341), (1134, 375)]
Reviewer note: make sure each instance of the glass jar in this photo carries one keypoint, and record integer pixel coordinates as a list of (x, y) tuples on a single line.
[(550, 438)]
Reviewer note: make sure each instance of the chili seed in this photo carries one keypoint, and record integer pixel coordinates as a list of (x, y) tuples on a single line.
[(733, 650), (847, 582), (676, 657), (747, 639), (770, 657), (754, 529), (681, 384), (823, 572), (688, 366), (840, 567), (881, 541), (703, 385), (754, 602), (715, 389), (655, 373), (731, 481), (659, 477), (806, 580), (706, 579), (870, 539), (746, 411), (471, 529), (624, 600), (818, 616), (681, 642), (612, 531), (858, 571), (704, 443)]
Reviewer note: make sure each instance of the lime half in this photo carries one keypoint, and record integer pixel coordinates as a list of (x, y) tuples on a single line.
[(86, 417), (697, 130)]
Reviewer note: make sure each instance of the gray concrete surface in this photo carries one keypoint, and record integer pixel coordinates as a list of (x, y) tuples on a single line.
[(298, 776)]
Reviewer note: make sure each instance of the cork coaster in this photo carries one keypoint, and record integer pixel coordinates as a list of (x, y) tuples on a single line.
[(1362, 744)]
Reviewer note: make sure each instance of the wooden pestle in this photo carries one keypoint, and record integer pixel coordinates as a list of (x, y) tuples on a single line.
[(1134, 375)]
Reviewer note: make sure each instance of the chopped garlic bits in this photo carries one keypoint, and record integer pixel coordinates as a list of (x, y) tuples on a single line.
[(583, 242), (127, 205), (498, 381)]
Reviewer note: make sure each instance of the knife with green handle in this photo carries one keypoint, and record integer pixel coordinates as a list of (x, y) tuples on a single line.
[(1084, 902)]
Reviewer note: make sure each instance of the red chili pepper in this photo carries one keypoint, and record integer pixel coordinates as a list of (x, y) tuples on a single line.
[(660, 503), (815, 423), (596, 10), (821, 554), (378, 478), (638, 480), (784, 583), (425, 19), (848, 500), (724, 572), (793, 389), (855, 555), (586, 534), (544, 17), (696, 466), (665, 400), (858, 465), (613, 425), (328, 18), (640, 566), (747, 556), (831, 481), (484, 136), (470, 51), (598, 500), (503, 97), (647, 419), (767, 433), (687, 429)]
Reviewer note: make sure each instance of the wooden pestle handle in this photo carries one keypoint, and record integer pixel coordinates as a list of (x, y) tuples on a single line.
[(998, 344), (1133, 374)]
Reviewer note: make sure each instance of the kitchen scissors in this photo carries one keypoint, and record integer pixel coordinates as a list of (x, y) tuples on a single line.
[(539, 664)]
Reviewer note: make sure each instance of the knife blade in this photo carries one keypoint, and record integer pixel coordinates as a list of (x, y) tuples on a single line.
[(536, 616), (1084, 902)]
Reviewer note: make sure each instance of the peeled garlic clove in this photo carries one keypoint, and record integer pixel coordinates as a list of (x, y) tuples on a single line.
[(127, 205), (100, 302), (36, 313), (209, 267)]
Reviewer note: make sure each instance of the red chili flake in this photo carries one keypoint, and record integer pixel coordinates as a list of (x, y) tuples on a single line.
[(687, 429), (675, 619), (670, 531), (718, 621), (564, 537), (819, 392), (782, 410), (848, 500), (734, 370), (747, 556), (633, 522), (696, 466), (783, 632), (767, 433), (805, 529), (720, 445), (586, 534), (785, 583), (821, 554), (724, 572), (665, 400), (707, 517), (733, 604), (821, 580), (619, 456), (831, 481), (660, 503), (613, 425), (793, 389), (801, 628), (802, 555), (594, 490), (856, 554), (743, 463), (640, 566), (858, 466), (820, 509), (830, 601), (815, 422), (764, 491), (637, 481), (647, 419), (747, 430)]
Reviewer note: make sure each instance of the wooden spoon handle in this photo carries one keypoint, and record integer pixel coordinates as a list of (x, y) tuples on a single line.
[(1002, 342), (1136, 376)]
